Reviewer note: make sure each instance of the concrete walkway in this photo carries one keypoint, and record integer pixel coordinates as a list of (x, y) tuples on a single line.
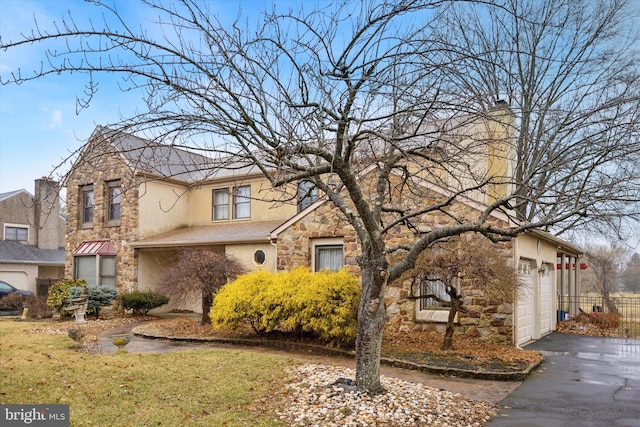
[(585, 381)]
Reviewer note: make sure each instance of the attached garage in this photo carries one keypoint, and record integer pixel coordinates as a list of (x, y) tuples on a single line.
[(19, 279), (546, 313), (525, 303)]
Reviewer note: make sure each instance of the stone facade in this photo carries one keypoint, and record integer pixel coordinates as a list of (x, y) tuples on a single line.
[(487, 319), (98, 170)]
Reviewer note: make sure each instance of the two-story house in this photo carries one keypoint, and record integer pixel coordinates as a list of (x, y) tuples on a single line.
[(31, 248), (132, 203)]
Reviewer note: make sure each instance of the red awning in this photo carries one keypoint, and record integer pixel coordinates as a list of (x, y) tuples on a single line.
[(95, 247)]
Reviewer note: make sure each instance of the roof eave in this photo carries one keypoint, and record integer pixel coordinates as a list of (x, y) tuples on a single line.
[(186, 243), (562, 245)]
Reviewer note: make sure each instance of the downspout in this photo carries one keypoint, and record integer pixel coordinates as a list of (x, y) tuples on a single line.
[(514, 313)]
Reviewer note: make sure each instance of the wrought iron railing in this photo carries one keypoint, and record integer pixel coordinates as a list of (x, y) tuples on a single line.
[(620, 312)]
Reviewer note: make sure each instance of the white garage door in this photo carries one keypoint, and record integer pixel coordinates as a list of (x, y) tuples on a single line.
[(19, 279), (546, 312), (524, 304)]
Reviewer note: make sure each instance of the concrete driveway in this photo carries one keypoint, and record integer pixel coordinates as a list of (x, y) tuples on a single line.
[(585, 381)]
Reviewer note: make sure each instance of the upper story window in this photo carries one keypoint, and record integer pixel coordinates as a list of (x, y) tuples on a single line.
[(307, 194), (242, 202), (239, 198), (13, 232), (220, 204), (114, 197), (88, 200)]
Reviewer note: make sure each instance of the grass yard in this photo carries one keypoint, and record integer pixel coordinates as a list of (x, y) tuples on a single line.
[(204, 387)]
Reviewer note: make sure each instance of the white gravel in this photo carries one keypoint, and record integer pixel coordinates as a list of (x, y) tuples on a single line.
[(315, 400)]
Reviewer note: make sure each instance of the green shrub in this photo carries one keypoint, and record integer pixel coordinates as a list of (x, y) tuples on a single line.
[(141, 302), (322, 303), (59, 295), (99, 296)]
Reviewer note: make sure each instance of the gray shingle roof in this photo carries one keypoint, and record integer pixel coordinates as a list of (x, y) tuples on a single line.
[(18, 253), (170, 161), (10, 194)]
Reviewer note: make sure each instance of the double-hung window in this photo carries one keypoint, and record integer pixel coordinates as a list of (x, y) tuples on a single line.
[(328, 254), (242, 202), (114, 197), (238, 199), (221, 204), (87, 205)]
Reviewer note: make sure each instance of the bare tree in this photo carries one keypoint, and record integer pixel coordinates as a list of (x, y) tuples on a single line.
[(569, 72), (351, 97), (606, 262), (457, 266), (199, 273), (631, 274)]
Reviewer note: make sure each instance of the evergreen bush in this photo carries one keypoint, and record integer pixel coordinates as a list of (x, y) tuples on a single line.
[(99, 296), (322, 303), (141, 302)]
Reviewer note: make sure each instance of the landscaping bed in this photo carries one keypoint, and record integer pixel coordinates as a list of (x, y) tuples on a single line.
[(420, 348), (402, 349)]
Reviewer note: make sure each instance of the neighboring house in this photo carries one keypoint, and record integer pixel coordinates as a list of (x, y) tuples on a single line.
[(132, 203), (32, 245)]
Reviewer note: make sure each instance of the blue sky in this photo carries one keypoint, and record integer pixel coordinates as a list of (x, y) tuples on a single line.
[(39, 123), (39, 126)]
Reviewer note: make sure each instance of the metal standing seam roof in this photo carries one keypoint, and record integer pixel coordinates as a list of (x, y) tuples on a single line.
[(95, 247)]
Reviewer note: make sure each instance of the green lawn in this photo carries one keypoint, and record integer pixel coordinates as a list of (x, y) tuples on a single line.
[(203, 387)]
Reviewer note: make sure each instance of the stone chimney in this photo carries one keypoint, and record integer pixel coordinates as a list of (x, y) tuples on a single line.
[(47, 222)]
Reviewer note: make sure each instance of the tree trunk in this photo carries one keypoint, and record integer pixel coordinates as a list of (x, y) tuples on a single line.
[(447, 342), (371, 321), (606, 291), (207, 301)]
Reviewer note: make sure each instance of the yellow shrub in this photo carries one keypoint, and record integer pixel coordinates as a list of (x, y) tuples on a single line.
[(238, 301), (322, 303)]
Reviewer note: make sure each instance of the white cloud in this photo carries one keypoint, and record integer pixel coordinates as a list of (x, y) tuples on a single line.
[(55, 119)]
